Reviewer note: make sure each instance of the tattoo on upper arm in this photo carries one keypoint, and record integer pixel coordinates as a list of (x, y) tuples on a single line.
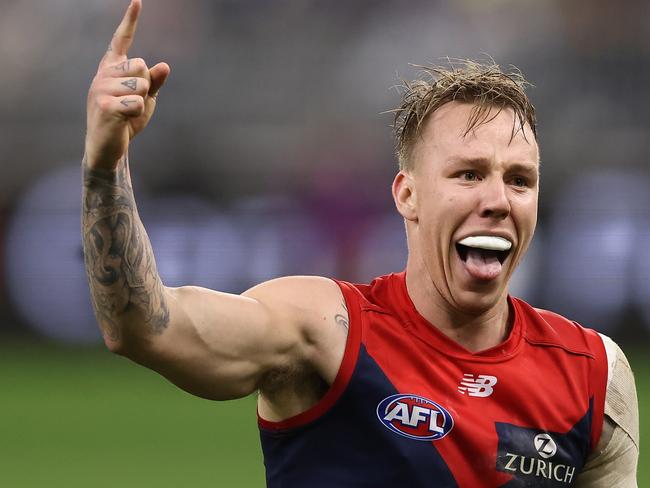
[(118, 256), (342, 318)]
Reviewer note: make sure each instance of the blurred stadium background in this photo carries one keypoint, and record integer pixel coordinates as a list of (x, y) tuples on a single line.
[(268, 156)]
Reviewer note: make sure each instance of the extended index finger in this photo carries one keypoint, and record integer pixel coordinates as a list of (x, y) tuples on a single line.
[(125, 32)]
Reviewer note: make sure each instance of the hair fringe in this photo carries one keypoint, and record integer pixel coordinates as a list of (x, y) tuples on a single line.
[(483, 84)]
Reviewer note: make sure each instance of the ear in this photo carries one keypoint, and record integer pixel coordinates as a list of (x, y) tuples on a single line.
[(405, 196)]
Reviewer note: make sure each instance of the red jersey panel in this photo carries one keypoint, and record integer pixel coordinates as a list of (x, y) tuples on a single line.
[(410, 407)]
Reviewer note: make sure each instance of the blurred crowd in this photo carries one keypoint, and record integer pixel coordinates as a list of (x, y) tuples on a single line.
[(271, 152)]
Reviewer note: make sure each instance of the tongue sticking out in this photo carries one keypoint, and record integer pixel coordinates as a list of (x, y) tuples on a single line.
[(482, 265)]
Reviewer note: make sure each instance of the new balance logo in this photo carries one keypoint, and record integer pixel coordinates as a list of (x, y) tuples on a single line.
[(480, 386)]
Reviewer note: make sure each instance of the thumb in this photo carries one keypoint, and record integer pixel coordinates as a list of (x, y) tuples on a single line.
[(158, 74)]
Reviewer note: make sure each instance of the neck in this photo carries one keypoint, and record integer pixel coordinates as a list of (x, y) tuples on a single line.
[(474, 331)]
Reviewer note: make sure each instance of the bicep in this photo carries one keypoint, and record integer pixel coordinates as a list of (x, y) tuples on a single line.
[(218, 345), (221, 346)]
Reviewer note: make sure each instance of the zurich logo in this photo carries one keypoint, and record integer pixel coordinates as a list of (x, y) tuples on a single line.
[(414, 417), (545, 445)]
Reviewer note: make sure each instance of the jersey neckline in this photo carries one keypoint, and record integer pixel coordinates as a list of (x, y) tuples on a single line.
[(432, 336)]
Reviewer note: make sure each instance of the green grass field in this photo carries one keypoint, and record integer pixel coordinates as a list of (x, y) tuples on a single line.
[(81, 417)]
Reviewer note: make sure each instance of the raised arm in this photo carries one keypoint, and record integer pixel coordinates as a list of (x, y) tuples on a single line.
[(122, 274), (213, 344)]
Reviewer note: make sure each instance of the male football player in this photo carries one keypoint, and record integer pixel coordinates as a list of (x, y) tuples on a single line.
[(432, 377)]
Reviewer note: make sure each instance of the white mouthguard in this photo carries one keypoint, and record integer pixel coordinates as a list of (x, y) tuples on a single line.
[(491, 243)]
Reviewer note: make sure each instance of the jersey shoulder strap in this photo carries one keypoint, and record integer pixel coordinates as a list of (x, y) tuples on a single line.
[(549, 329), (546, 328)]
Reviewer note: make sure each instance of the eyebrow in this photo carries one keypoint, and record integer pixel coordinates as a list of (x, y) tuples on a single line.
[(524, 168), (528, 167)]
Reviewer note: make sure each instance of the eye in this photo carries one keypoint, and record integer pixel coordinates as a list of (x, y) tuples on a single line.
[(470, 176), (520, 181)]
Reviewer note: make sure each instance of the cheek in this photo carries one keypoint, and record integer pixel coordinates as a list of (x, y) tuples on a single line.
[(526, 222), (532, 214), (440, 209), (437, 224), (433, 212)]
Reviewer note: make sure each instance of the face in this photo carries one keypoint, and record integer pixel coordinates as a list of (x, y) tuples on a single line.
[(482, 186)]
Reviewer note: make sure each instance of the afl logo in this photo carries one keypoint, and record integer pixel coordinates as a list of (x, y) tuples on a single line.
[(414, 417)]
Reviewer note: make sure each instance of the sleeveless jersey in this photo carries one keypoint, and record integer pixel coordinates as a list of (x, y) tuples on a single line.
[(410, 407)]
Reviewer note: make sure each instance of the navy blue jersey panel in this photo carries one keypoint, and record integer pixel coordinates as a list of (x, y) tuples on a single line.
[(349, 447), (543, 459)]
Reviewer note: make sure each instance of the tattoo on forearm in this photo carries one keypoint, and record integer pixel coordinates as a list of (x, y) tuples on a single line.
[(342, 318), (131, 83), (118, 256)]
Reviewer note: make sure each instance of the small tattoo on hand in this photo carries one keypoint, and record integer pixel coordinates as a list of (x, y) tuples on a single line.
[(126, 102), (123, 66), (132, 83)]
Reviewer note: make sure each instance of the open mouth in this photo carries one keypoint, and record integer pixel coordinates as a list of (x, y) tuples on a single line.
[(483, 256)]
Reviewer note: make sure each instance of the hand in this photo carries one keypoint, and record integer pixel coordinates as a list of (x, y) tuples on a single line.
[(122, 96)]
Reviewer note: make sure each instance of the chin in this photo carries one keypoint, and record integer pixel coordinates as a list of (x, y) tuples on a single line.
[(478, 302)]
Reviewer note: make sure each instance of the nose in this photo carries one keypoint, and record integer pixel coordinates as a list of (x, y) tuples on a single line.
[(494, 200)]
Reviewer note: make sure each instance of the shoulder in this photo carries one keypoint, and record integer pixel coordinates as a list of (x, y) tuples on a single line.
[(313, 293), (621, 405), (614, 460), (547, 328), (618, 444), (311, 302), (306, 289), (316, 306), (301, 294)]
